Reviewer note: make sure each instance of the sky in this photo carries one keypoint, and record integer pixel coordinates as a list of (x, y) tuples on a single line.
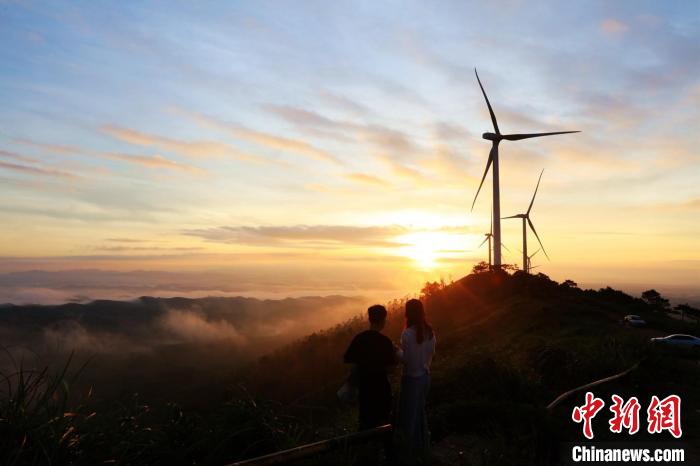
[(291, 148)]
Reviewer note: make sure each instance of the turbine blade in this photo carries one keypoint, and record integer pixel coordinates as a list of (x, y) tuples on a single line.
[(504, 246), (517, 137), (485, 240), (488, 165), (493, 116), (512, 216), (538, 237), (535, 194), (534, 254)]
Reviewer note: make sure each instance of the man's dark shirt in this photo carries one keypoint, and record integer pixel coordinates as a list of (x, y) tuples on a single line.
[(372, 353)]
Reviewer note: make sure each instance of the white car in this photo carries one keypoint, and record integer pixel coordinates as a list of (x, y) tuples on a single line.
[(678, 340), (634, 320)]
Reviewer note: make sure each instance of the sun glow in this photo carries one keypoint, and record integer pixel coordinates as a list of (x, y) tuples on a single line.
[(427, 248)]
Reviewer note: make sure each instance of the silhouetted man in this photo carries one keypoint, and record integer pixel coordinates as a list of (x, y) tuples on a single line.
[(373, 354)]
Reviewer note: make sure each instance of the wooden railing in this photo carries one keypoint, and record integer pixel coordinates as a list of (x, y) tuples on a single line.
[(324, 446), (565, 395)]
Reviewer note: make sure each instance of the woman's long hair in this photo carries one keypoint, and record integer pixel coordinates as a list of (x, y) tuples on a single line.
[(415, 317)]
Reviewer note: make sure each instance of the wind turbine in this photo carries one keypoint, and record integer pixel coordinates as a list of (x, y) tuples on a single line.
[(529, 261), (488, 236), (526, 222), (495, 139)]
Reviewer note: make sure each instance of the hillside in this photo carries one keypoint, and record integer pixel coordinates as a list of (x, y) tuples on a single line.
[(507, 346), (165, 348)]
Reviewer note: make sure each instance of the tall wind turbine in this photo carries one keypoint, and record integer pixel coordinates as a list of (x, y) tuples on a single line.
[(495, 139), (526, 222)]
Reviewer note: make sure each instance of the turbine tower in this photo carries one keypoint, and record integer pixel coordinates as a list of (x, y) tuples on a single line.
[(488, 236), (495, 139), (529, 261), (526, 221)]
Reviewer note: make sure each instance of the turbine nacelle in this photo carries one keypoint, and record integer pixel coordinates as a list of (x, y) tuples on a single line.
[(491, 136)]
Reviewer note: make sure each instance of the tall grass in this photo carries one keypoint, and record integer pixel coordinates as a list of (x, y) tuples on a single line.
[(42, 422), (36, 425)]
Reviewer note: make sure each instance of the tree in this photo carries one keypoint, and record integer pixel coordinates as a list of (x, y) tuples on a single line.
[(654, 299), (687, 310), (481, 267), (509, 267), (432, 288), (569, 284)]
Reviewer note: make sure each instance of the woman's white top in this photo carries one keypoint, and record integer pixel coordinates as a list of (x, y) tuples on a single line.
[(416, 357)]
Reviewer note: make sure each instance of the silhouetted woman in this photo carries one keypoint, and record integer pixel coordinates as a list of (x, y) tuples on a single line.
[(417, 349)]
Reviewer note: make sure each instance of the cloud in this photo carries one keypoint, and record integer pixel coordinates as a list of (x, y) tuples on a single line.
[(71, 335), (302, 117), (612, 27), (402, 170), (36, 170), (386, 139), (282, 143), (445, 131), (155, 161), (262, 138), (148, 248), (343, 103), (15, 156), (126, 240), (365, 179), (299, 234), (57, 148), (692, 204), (194, 149), (192, 326)]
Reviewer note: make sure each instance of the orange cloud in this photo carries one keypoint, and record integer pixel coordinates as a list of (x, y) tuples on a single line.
[(282, 143), (23, 158), (156, 161), (261, 138), (366, 179), (195, 149), (402, 170), (613, 27), (36, 170), (385, 138)]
